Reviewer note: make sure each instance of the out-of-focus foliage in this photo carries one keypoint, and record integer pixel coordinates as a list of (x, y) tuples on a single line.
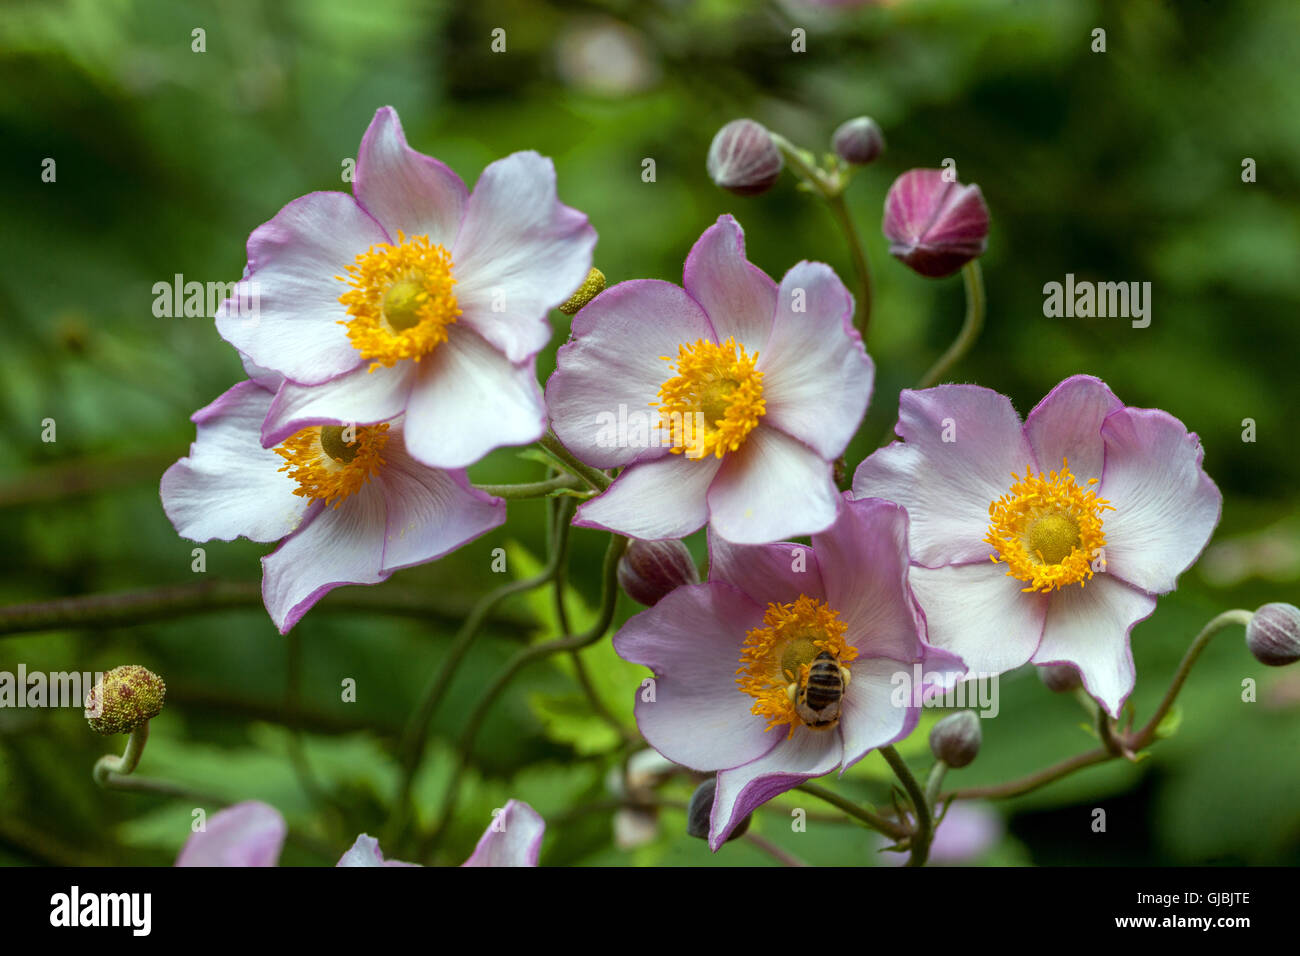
[(1122, 166)]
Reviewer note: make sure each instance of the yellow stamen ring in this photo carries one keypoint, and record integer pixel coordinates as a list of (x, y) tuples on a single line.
[(1047, 529), (781, 651), (714, 400), (400, 300), (330, 462)]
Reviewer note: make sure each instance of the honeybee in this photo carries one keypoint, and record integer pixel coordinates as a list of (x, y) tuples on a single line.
[(817, 699)]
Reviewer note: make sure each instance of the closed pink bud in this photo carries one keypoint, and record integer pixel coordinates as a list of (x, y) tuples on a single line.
[(858, 141), (935, 226), (743, 158), (1060, 677), (649, 570)]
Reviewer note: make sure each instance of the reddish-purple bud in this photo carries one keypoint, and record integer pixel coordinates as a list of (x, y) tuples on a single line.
[(1273, 634), (858, 141), (1060, 677), (935, 226), (699, 812), (743, 158), (649, 570)]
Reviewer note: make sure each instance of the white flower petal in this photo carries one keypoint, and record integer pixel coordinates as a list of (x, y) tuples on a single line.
[(359, 397), (1166, 507), (664, 498), (1089, 627), (230, 486), (772, 487), (768, 573), (980, 614), (817, 377), (739, 298), (468, 400), (334, 546), (1067, 425), (514, 838), (961, 445)]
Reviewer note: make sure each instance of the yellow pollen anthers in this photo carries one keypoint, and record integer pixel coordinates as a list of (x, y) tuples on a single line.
[(327, 465), (714, 400), (781, 651), (400, 300), (1048, 530)]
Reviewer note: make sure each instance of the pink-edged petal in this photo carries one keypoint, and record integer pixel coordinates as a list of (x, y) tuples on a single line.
[(1166, 506), (692, 640), (653, 500), (334, 546), (519, 254), (871, 715), (980, 614), (772, 487), (1066, 425), (613, 368), (247, 834), (809, 753), (406, 190), (1089, 627), (230, 486), (294, 261), (817, 377), (265, 377), (514, 838), (359, 397), (365, 852), (864, 563), (961, 444), (468, 400), (769, 573), (739, 297), (430, 511)]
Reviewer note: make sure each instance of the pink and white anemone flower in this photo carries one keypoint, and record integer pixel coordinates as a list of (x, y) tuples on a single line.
[(1088, 510), (349, 504), (412, 297), (734, 659), (724, 402), (252, 833)]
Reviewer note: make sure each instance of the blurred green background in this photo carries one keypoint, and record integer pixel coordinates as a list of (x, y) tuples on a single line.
[(1123, 166)]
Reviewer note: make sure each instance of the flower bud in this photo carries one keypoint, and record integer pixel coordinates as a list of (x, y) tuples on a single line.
[(858, 141), (591, 287), (956, 739), (1273, 634), (743, 159), (1060, 678), (935, 226), (699, 812), (124, 699), (649, 570)]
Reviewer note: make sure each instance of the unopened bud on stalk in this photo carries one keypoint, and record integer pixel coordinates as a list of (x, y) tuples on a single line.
[(934, 224), (591, 287), (699, 812), (858, 141), (1273, 634), (124, 699), (649, 570), (743, 159), (956, 739), (1060, 678)]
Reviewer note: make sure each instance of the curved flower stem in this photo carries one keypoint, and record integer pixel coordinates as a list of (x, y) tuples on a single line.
[(1148, 733), (934, 782), (830, 186), (889, 828), (592, 476), (1132, 743), (160, 604), (924, 822), (784, 857), (417, 728), (970, 329), (534, 489), (524, 657), (108, 767)]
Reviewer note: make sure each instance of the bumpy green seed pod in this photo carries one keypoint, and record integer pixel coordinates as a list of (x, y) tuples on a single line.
[(126, 697)]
